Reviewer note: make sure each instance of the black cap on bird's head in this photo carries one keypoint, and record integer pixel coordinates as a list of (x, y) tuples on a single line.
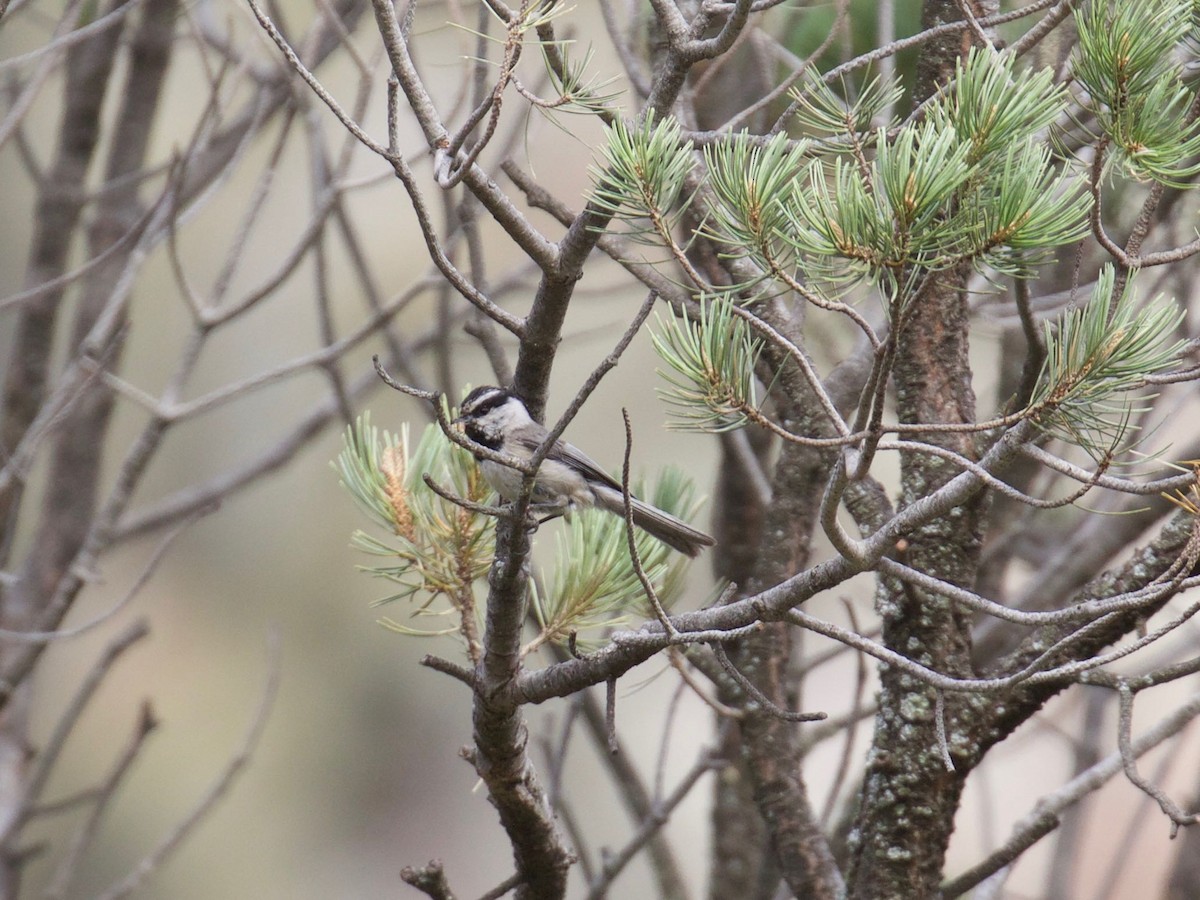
[(483, 400), (487, 412)]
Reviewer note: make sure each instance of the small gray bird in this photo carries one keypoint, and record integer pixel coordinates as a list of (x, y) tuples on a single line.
[(567, 478)]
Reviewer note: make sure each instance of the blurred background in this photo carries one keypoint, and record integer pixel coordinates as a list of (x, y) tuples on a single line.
[(357, 772)]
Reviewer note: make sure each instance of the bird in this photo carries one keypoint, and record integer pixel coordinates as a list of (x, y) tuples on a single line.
[(567, 479)]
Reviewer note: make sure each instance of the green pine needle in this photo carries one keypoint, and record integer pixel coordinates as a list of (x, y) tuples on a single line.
[(820, 110), (711, 367), (435, 548), (1022, 208), (579, 91), (1098, 354), (594, 584), (750, 184), (1126, 59), (643, 175), (991, 105), (919, 172), (360, 467)]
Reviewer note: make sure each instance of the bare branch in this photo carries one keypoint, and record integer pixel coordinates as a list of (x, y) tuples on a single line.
[(219, 788), (631, 538), (1044, 817), (1129, 763), (757, 696), (61, 882), (430, 879), (615, 864), (48, 758)]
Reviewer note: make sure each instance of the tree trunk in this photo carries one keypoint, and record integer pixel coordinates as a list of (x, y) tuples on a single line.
[(910, 797)]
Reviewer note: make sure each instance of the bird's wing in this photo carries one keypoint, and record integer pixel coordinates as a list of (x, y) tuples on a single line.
[(588, 467)]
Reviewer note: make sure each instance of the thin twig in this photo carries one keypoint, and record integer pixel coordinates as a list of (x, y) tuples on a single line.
[(43, 765), (761, 699), (69, 865), (140, 582), (216, 791), (854, 717), (631, 536), (430, 879), (615, 864), (482, 509), (1129, 762), (1045, 815), (593, 380), (610, 714), (679, 663), (446, 667), (502, 888)]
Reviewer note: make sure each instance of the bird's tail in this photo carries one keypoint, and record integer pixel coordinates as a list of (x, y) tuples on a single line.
[(671, 531)]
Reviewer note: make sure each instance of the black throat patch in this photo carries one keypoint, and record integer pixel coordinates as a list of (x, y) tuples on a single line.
[(485, 437)]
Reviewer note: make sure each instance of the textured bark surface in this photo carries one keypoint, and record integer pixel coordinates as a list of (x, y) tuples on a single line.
[(769, 742), (889, 838), (48, 578), (739, 834), (88, 66), (909, 798), (501, 737)]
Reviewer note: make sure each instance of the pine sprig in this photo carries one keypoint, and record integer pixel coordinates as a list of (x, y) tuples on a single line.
[(594, 584), (711, 364), (643, 175), (371, 467), (820, 110), (992, 105), (970, 182), (750, 183), (838, 224), (1126, 59), (919, 172), (1023, 208), (578, 90), (1099, 354), (435, 548), (851, 224)]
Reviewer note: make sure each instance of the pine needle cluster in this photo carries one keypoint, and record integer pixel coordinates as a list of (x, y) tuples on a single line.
[(436, 552), (435, 549), (971, 178)]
